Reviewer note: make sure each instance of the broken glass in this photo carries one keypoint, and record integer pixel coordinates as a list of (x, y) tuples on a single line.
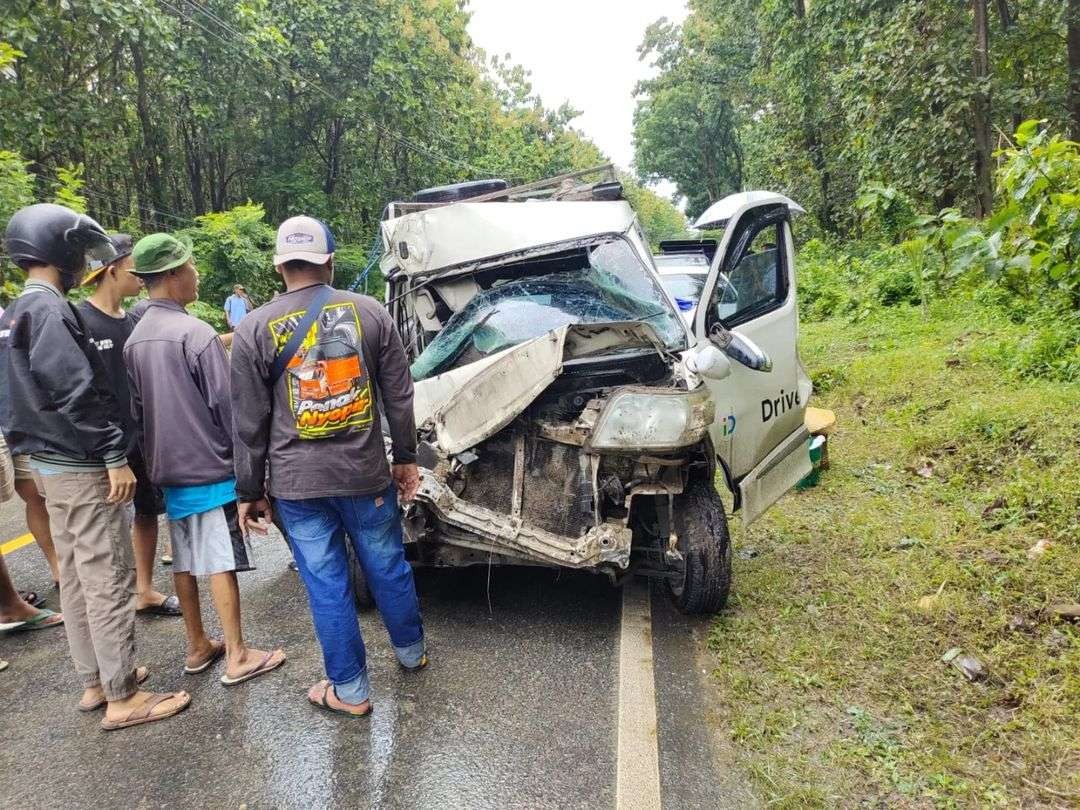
[(614, 286)]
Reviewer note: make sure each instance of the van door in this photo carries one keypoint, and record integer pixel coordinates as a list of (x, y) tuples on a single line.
[(759, 435)]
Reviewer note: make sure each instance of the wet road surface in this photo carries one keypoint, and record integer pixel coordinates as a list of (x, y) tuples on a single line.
[(519, 707)]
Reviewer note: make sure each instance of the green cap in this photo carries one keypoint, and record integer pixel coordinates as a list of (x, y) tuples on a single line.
[(159, 252)]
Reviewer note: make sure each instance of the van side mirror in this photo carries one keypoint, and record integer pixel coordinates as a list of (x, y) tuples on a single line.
[(707, 361), (740, 348)]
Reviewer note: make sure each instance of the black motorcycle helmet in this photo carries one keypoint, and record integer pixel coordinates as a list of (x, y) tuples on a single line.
[(52, 234)]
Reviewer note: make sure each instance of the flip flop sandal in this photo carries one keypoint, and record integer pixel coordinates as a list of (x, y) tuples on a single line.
[(206, 663), (170, 607), (264, 666), (422, 665), (141, 674), (324, 702), (143, 714), (11, 625), (3, 665), (42, 620), (166, 559), (31, 598)]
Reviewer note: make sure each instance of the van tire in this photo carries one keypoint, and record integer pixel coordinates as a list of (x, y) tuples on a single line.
[(702, 530), (357, 581)]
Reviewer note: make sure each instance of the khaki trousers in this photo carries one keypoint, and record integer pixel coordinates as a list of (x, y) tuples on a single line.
[(97, 578)]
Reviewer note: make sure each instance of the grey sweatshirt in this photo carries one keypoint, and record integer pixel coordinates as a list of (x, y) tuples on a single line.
[(179, 378), (319, 427)]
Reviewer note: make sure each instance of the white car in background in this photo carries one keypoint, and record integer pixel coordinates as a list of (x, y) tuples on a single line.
[(683, 266)]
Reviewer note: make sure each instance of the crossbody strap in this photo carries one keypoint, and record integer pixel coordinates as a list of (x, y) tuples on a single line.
[(289, 351)]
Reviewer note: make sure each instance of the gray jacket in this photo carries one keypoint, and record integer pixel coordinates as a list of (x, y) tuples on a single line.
[(318, 425), (179, 378)]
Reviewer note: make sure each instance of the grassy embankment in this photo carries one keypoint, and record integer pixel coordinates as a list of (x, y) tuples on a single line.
[(946, 470)]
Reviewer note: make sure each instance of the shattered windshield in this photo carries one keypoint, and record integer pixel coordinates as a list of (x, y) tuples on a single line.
[(613, 285)]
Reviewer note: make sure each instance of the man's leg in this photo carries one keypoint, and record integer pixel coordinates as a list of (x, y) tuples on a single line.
[(62, 494), (218, 550), (13, 608), (144, 537), (200, 647), (104, 568), (37, 521), (318, 542), (374, 525)]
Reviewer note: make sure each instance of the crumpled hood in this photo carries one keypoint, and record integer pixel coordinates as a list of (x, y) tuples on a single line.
[(467, 405)]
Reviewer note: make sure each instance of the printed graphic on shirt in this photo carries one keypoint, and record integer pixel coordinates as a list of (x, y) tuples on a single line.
[(103, 345), (329, 388)]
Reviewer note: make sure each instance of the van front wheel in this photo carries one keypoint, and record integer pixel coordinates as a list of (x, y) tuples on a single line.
[(701, 530)]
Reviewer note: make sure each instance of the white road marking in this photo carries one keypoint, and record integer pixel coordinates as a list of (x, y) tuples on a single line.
[(637, 770)]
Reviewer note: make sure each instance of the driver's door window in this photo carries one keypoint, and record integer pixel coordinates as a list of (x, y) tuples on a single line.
[(754, 283)]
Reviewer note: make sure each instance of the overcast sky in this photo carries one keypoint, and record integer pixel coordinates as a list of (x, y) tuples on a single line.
[(581, 51)]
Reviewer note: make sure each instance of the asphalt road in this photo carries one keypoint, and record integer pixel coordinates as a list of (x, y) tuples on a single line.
[(519, 708)]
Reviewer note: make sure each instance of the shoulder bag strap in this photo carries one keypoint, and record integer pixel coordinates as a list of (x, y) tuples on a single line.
[(289, 351)]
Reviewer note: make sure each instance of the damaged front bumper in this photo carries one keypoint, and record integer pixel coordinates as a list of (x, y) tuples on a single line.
[(479, 529)]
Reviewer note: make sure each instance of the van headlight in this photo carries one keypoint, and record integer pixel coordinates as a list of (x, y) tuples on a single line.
[(653, 419)]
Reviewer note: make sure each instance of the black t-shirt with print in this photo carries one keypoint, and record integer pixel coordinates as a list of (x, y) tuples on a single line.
[(109, 334)]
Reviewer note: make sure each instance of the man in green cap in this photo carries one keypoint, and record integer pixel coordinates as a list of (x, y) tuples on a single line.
[(179, 377)]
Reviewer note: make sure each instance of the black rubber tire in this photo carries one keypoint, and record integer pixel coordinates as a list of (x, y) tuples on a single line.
[(459, 191), (360, 590), (702, 530)]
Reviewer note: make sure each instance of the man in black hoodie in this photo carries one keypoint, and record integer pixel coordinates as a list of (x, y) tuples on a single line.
[(57, 407)]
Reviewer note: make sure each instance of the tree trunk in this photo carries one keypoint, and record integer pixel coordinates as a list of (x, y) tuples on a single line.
[(984, 191), (1073, 48), (152, 147)]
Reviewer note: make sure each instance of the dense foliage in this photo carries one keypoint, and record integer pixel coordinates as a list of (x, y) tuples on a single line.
[(818, 98), (223, 117)]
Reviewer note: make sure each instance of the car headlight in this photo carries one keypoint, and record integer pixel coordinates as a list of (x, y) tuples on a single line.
[(653, 419)]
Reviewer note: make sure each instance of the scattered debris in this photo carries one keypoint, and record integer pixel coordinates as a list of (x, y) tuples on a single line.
[(747, 553), (998, 504), (1039, 549), (952, 362), (969, 666), (1069, 613), (1020, 624), (928, 604), (1056, 641), (908, 542), (924, 469)]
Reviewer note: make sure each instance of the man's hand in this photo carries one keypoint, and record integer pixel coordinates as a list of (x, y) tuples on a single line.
[(121, 485), (254, 516), (407, 478)]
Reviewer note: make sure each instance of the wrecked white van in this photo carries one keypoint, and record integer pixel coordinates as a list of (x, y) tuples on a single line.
[(569, 416)]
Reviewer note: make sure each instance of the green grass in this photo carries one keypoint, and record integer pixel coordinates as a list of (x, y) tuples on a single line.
[(829, 672)]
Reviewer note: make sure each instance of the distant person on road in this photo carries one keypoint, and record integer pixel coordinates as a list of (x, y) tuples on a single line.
[(109, 328), (237, 306), (179, 377), (307, 367), (57, 406)]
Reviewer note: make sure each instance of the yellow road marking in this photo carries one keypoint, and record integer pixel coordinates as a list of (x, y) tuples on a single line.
[(17, 543)]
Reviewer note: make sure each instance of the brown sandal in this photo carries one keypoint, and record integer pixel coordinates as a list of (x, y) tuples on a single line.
[(216, 652), (144, 713), (266, 665), (324, 702), (141, 674)]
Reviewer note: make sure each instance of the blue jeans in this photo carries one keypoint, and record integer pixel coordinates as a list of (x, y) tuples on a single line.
[(317, 530)]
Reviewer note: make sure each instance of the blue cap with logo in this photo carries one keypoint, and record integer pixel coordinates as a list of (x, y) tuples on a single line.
[(304, 239)]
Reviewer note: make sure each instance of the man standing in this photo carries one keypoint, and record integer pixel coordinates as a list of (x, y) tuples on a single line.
[(109, 327), (55, 404), (237, 306), (179, 378), (308, 367)]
